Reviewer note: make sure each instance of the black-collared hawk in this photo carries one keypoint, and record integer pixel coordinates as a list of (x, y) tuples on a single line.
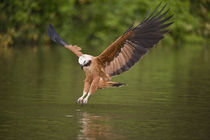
[(121, 55)]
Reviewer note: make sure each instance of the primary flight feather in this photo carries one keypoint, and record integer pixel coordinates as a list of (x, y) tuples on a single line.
[(121, 55)]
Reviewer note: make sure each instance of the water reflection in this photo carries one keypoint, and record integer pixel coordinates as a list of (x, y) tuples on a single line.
[(94, 127)]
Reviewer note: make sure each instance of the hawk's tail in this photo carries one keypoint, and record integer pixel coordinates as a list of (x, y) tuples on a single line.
[(54, 36), (105, 84), (116, 84)]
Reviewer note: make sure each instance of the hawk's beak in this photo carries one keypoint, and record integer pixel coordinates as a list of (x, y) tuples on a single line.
[(81, 66)]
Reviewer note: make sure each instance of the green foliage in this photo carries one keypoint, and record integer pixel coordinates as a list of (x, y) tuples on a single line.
[(96, 23)]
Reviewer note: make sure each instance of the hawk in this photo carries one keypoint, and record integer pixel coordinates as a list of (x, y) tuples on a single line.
[(121, 55)]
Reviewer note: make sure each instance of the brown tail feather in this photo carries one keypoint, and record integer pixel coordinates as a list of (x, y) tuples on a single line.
[(109, 84), (116, 84)]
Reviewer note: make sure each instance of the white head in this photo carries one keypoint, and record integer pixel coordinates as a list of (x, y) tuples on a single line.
[(84, 60)]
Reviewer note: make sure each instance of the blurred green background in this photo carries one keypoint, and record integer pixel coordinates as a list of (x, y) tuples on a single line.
[(167, 93), (90, 23)]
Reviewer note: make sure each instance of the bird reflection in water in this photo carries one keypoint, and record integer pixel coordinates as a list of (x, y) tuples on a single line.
[(95, 127)]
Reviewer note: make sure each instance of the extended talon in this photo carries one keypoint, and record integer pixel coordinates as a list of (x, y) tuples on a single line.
[(85, 101), (80, 100)]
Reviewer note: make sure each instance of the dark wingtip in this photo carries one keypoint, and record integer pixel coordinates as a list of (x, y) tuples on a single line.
[(54, 36)]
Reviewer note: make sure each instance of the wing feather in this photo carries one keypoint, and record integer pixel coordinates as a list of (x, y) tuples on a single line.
[(123, 53), (54, 36)]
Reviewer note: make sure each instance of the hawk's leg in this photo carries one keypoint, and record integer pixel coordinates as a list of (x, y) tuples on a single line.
[(85, 90), (93, 88)]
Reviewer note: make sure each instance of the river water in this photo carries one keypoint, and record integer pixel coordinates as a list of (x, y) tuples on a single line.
[(167, 96)]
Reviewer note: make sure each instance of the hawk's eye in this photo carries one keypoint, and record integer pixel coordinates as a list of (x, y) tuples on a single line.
[(85, 61)]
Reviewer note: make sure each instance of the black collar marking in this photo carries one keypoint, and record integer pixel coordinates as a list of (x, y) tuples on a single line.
[(87, 64)]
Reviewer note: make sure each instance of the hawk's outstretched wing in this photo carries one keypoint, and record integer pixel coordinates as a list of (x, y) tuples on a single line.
[(54, 36), (123, 53)]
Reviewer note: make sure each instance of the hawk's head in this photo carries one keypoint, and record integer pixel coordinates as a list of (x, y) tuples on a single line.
[(85, 60)]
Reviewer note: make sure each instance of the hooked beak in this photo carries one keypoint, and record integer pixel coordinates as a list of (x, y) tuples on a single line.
[(81, 66)]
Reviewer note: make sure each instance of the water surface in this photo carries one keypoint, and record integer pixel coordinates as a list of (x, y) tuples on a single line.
[(167, 96)]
